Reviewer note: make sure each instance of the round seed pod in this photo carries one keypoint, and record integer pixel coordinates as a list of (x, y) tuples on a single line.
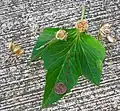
[(61, 34), (81, 25), (105, 30), (60, 88)]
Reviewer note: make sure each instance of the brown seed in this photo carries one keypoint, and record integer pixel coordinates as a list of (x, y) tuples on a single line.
[(60, 88), (82, 25), (105, 30), (61, 34), (15, 48)]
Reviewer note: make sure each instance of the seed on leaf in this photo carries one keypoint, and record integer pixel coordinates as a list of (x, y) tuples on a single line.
[(61, 34), (60, 88), (82, 25)]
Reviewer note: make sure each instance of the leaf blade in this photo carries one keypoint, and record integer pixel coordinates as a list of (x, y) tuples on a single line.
[(91, 54), (66, 74), (45, 36), (65, 61)]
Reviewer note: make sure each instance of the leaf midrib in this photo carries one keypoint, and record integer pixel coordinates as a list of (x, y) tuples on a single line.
[(59, 53)]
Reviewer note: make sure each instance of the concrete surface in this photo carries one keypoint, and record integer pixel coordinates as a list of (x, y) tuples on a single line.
[(21, 86)]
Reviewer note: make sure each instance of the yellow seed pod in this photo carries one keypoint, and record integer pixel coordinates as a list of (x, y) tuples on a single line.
[(111, 39), (105, 30), (61, 34), (16, 49), (82, 25)]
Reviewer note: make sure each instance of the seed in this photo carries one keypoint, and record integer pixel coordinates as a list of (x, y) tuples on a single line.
[(110, 39), (105, 30), (82, 25), (15, 48), (61, 34)]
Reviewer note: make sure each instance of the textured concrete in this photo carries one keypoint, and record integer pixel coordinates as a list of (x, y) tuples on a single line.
[(21, 86)]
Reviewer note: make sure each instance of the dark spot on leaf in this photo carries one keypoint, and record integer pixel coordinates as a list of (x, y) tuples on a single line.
[(60, 88), (67, 72), (68, 67), (67, 79)]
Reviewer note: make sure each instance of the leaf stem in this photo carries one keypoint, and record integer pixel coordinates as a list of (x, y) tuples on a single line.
[(83, 12)]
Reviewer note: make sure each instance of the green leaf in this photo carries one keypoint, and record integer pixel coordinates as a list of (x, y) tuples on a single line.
[(65, 61), (63, 66), (92, 54), (94, 45), (45, 36)]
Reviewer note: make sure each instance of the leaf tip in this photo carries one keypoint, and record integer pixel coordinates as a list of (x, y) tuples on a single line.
[(97, 83), (44, 104)]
